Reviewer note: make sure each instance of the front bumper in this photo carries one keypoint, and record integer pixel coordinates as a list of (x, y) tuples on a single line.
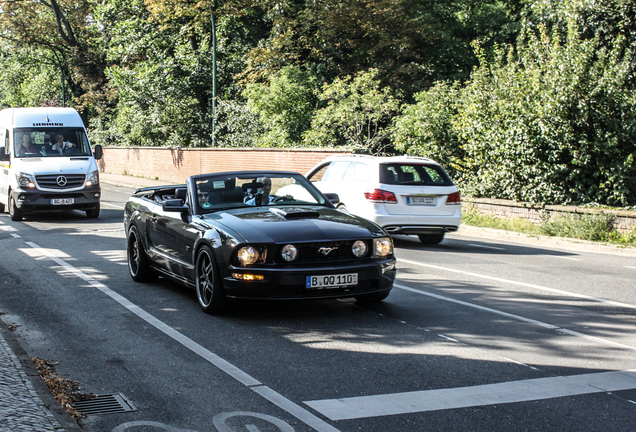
[(34, 200), (288, 284)]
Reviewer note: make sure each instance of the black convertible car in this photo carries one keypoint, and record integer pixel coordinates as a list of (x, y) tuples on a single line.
[(256, 235)]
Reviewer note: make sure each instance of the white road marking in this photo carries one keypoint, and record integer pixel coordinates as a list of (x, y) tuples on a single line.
[(462, 397), (630, 267), (523, 284), (562, 257), (118, 207), (515, 317), (485, 247), (276, 398)]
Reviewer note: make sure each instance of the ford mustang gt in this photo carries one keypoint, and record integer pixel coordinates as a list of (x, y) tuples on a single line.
[(232, 235)]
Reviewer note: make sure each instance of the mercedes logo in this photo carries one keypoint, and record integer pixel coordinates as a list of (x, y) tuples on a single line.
[(327, 250), (61, 181)]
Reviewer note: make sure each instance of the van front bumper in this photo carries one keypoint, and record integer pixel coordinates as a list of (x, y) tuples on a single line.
[(34, 200)]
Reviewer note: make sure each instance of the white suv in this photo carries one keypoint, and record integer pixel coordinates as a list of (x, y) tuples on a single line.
[(402, 194)]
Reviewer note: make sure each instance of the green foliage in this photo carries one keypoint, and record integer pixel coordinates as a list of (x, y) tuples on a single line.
[(237, 125), (25, 82), (591, 227), (552, 122), (426, 128), (357, 113), (284, 106)]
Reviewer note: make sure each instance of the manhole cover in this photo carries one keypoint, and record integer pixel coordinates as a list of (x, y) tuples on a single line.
[(105, 404)]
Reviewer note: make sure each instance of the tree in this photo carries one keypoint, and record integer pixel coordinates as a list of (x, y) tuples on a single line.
[(553, 121), (426, 128), (64, 31), (285, 106), (357, 112)]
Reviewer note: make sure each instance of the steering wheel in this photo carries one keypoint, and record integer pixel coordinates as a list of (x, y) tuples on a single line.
[(283, 198)]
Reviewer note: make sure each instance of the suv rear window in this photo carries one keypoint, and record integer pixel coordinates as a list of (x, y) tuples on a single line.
[(414, 174)]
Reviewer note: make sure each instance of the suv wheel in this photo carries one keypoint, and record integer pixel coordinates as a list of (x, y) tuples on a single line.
[(431, 239)]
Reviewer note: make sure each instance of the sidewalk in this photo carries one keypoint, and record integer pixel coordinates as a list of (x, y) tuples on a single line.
[(26, 405)]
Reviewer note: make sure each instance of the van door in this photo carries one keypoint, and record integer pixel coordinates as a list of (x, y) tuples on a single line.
[(4, 165)]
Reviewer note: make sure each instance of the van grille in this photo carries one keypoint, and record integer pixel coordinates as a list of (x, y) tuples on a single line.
[(61, 181)]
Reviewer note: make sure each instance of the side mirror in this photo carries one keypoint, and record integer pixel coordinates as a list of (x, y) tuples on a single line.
[(3, 155), (333, 198), (98, 152), (174, 205)]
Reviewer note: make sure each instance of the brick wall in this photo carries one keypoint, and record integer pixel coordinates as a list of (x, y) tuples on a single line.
[(177, 164), (624, 221)]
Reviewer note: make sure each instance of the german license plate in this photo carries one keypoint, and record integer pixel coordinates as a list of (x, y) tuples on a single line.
[(332, 281), (421, 200), (62, 201)]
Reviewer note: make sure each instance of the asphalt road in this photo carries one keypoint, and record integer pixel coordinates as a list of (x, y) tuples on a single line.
[(478, 335)]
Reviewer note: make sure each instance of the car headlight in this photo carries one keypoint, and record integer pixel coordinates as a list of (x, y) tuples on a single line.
[(289, 252), (93, 178), (382, 246), (248, 255), (25, 180), (359, 249)]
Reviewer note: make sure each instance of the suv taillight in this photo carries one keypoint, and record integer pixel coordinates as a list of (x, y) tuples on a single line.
[(454, 198), (380, 196)]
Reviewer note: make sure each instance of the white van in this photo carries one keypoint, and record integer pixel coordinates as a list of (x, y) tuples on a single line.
[(46, 162)]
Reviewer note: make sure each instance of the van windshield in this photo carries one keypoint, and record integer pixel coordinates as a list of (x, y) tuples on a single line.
[(49, 142)]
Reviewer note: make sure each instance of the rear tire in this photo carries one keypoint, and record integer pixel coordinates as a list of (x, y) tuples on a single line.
[(138, 263), (14, 212), (93, 213), (431, 239), (210, 293)]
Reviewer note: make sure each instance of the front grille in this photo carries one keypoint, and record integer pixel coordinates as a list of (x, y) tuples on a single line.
[(314, 252), (68, 181)]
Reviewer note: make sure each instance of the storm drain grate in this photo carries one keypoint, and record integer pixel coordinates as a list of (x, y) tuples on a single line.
[(105, 404)]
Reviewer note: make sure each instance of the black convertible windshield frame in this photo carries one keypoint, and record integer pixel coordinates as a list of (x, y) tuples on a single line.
[(245, 189)]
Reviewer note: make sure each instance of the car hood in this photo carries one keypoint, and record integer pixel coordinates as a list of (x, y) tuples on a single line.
[(287, 224)]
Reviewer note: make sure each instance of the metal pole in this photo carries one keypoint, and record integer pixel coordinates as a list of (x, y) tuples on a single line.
[(213, 80), (63, 88)]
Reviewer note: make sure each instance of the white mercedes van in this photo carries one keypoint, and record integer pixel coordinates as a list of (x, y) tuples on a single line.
[(46, 162)]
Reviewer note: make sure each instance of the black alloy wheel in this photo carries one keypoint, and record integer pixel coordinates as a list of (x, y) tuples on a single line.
[(210, 293), (138, 263)]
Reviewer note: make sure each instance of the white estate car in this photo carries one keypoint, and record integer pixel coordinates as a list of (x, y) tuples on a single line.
[(402, 194)]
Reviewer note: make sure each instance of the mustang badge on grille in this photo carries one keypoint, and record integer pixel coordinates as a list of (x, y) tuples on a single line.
[(327, 250)]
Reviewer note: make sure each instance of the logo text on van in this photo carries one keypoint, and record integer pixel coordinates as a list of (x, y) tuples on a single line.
[(48, 124)]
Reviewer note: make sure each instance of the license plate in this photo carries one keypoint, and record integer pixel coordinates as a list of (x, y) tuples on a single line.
[(421, 200), (332, 281), (62, 201)]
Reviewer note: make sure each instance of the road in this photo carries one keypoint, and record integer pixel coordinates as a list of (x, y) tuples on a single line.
[(478, 335)]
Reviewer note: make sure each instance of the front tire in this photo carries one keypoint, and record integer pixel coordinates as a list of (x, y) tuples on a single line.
[(138, 263), (93, 213), (372, 298), (431, 239), (210, 293), (14, 212)]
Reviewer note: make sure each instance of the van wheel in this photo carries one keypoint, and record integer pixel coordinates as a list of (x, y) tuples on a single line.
[(15, 213), (93, 213)]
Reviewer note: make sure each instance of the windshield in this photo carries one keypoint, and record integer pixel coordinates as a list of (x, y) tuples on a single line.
[(48, 142), (216, 193)]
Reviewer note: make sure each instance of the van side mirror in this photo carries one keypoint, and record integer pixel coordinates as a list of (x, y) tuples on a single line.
[(98, 152), (4, 156)]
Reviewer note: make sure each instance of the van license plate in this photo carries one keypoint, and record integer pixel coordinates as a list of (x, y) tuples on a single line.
[(62, 201), (331, 281)]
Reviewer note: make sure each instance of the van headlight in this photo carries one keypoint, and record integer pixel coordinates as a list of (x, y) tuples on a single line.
[(25, 180), (93, 178)]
